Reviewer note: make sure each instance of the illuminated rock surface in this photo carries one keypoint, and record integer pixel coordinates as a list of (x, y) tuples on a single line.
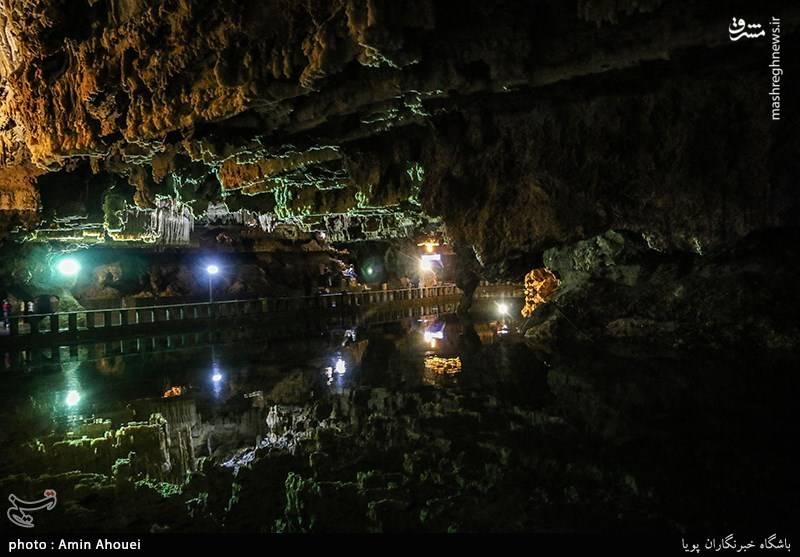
[(519, 127), (619, 152)]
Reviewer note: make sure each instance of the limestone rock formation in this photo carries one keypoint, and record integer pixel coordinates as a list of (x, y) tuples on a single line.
[(521, 126), (615, 286), (540, 286)]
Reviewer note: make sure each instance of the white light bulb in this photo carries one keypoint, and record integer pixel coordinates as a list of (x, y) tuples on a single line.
[(73, 398), (69, 266)]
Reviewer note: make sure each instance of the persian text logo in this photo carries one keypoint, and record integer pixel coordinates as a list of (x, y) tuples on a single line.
[(17, 512), (738, 29)]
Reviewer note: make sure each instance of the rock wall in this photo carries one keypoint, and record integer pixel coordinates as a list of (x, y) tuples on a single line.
[(522, 126), (615, 287)]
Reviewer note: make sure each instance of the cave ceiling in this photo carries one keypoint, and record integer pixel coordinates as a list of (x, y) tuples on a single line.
[(516, 125)]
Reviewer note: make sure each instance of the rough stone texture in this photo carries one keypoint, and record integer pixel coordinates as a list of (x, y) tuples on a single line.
[(96, 448), (540, 286), (615, 286), (595, 435), (624, 145), (521, 125)]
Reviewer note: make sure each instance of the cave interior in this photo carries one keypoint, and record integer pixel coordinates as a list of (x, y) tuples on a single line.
[(616, 165)]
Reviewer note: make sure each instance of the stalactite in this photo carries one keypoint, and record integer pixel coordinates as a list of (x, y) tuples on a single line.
[(219, 213), (172, 221), (9, 51), (336, 228), (267, 222), (215, 213)]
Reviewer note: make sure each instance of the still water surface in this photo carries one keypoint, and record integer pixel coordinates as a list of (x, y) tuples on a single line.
[(587, 436)]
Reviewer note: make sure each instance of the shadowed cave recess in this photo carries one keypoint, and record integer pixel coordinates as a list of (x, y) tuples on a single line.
[(614, 167)]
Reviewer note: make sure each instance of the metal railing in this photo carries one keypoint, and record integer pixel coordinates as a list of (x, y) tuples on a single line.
[(52, 350), (95, 319)]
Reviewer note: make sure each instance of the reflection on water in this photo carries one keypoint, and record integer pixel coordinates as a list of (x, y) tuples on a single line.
[(217, 383), (173, 392), (436, 367), (55, 393), (463, 415), (334, 374)]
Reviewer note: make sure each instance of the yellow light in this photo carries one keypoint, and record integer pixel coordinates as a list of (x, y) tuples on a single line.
[(172, 392), (443, 366), (429, 245)]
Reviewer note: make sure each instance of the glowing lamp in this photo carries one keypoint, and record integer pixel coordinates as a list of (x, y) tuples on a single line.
[(217, 377), (211, 270), (68, 266), (502, 308), (73, 398), (430, 335), (432, 257), (429, 245)]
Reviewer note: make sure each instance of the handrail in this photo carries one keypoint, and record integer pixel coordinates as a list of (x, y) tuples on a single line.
[(219, 302), (136, 316)]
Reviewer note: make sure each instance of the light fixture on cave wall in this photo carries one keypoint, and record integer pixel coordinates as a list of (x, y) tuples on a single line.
[(429, 245)]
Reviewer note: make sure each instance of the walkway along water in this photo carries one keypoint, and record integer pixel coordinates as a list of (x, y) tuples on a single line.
[(86, 325)]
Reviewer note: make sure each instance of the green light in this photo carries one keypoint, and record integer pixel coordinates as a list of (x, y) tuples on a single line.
[(369, 270), (68, 266)]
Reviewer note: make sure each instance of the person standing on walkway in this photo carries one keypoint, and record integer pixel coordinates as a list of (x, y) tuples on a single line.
[(6, 312), (32, 321)]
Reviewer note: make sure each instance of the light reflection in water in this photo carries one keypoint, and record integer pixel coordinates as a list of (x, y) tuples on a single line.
[(72, 385), (443, 366), (336, 372), (173, 392), (340, 367), (216, 374), (438, 368)]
